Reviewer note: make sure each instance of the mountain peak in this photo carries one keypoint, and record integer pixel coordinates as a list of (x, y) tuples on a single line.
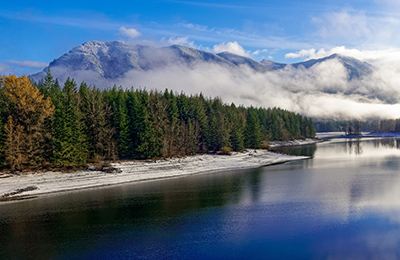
[(355, 68), (98, 62)]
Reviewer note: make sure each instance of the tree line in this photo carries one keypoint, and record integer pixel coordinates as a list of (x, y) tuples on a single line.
[(48, 125), (376, 126)]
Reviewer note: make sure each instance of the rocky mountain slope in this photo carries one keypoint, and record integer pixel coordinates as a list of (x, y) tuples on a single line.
[(95, 62)]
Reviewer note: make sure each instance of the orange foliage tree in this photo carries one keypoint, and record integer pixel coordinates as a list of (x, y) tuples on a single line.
[(27, 110)]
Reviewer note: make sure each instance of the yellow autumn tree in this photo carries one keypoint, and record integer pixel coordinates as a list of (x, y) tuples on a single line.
[(27, 110)]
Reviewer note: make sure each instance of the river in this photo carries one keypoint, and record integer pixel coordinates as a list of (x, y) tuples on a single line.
[(344, 203)]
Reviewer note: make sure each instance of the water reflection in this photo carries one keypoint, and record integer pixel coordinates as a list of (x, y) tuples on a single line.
[(354, 146), (304, 150), (341, 204)]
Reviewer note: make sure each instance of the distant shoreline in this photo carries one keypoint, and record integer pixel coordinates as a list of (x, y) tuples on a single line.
[(32, 185), (372, 135)]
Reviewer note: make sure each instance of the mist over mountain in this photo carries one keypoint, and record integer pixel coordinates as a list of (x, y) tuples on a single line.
[(332, 87), (111, 60)]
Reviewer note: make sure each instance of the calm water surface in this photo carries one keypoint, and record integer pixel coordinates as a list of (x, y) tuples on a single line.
[(342, 204)]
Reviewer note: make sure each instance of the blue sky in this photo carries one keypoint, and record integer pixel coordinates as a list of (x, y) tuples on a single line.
[(33, 33)]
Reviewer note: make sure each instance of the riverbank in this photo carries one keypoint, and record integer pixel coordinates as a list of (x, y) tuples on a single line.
[(30, 185), (296, 142)]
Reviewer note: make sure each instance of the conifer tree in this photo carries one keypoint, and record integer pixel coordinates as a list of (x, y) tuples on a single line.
[(200, 120), (253, 130), (218, 126), (117, 99), (238, 123), (171, 142), (46, 84), (69, 138), (145, 139), (98, 130)]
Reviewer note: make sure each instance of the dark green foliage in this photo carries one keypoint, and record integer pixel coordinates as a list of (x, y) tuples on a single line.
[(238, 123), (145, 139), (70, 144), (218, 131), (91, 124), (119, 120), (253, 130), (330, 126), (98, 128)]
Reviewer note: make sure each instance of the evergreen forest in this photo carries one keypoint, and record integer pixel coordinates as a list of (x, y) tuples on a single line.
[(48, 125)]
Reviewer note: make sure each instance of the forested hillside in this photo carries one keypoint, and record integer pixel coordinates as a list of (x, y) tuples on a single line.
[(49, 125)]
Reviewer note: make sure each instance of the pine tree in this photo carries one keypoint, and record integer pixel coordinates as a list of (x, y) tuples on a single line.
[(98, 130), (200, 119), (47, 84), (253, 130), (238, 123), (119, 120), (145, 139), (68, 129), (171, 142), (218, 126)]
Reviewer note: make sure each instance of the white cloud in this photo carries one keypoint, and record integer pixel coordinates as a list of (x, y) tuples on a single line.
[(322, 91), (385, 58), (131, 33), (356, 28), (178, 41), (301, 54), (233, 47), (197, 27), (28, 64), (343, 24), (21, 67), (5, 68), (257, 52)]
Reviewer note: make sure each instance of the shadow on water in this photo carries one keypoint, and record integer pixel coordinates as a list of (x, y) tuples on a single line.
[(47, 228), (303, 150), (319, 208)]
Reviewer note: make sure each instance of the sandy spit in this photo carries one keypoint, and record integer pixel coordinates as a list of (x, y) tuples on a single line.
[(296, 142), (34, 184)]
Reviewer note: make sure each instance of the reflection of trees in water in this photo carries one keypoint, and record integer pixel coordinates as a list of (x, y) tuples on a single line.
[(135, 208), (387, 142), (303, 150), (354, 146), (255, 183)]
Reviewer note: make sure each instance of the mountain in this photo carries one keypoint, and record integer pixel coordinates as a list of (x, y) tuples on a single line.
[(355, 68), (240, 60), (94, 60), (103, 63), (271, 65)]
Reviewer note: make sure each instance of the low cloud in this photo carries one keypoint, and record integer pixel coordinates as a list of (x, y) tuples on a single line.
[(21, 67), (233, 47), (131, 33), (386, 59), (28, 64), (322, 91), (4, 69)]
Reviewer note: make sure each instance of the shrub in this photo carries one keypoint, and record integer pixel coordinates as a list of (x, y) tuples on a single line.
[(225, 151)]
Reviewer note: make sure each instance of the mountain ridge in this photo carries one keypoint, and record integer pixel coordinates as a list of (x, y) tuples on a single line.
[(95, 60)]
